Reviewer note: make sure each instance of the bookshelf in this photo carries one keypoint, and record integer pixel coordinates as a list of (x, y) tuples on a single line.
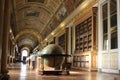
[(81, 61), (61, 41), (84, 36), (53, 40), (85, 43)]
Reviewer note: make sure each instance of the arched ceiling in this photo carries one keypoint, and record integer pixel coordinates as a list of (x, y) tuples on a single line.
[(29, 37), (33, 20)]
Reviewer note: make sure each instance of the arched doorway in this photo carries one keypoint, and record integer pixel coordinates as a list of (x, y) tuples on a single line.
[(25, 53)]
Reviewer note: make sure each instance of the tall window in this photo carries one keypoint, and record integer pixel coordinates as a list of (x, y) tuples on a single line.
[(105, 26), (113, 23), (24, 54), (109, 24)]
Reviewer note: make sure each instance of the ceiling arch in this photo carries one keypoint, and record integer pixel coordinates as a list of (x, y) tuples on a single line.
[(27, 41), (29, 31), (28, 47), (25, 48), (29, 38)]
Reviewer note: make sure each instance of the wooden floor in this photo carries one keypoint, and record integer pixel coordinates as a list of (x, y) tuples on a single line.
[(22, 72)]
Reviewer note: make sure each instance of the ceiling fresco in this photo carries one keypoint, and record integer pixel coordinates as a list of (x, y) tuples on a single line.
[(38, 18)]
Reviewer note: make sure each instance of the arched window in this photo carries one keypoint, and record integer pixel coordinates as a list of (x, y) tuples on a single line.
[(24, 54)]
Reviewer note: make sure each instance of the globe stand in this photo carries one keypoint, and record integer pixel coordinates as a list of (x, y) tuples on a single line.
[(64, 71)]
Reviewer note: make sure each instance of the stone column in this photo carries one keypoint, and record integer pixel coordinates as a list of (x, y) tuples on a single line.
[(6, 28), (1, 27)]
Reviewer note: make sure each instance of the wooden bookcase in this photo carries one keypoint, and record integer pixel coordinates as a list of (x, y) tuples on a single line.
[(85, 43), (81, 61), (61, 41), (84, 36), (53, 41)]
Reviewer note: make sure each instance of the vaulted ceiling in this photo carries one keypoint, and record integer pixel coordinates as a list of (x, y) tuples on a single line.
[(33, 20)]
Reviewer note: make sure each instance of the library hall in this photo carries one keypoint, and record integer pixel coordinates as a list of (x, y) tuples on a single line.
[(59, 39)]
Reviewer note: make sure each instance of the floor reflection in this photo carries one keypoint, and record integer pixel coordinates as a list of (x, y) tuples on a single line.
[(23, 72)]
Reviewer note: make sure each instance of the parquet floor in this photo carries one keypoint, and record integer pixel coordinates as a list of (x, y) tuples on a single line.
[(22, 72)]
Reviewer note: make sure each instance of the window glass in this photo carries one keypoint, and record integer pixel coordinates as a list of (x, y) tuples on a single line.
[(105, 26), (109, 15), (113, 24)]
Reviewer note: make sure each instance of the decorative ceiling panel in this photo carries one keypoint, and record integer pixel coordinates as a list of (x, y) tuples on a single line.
[(33, 13), (27, 25), (53, 4)]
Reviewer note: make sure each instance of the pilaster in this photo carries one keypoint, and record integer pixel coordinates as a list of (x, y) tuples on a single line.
[(5, 38), (1, 29)]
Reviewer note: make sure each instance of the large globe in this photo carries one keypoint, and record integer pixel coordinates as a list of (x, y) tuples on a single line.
[(52, 55)]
